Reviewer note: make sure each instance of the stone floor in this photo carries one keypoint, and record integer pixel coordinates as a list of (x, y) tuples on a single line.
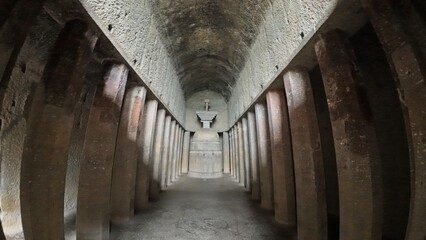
[(197, 209)]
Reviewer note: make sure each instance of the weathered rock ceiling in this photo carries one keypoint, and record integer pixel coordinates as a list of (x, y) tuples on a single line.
[(209, 40)]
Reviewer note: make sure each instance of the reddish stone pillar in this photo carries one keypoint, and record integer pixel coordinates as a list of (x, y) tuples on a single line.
[(236, 154), (171, 152), (126, 155), (179, 166), (166, 152), (179, 153), (93, 205), (76, 148), (237, 157), (185, 153), (231, 141), (145, 143), (282, 159), (156, 158), (225, 151), (265, 162), (308, 162), (246, 154), (20, 74), (241, 156), (407, 62), (175, 153), (355, 143), (179, 156), (48, 136), (182, 145), (254, 161)]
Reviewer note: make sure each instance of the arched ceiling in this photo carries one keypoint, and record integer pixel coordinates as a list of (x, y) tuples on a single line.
[(209, 40)]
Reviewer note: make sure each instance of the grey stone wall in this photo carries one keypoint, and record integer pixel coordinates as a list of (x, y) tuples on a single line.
[(287, 27), (131, 27)]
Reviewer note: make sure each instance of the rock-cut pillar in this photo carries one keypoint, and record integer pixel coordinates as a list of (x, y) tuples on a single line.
[(166, 152), (157, 154), (265, 161), (282, 159), (246, 148), (93, 203), (406, 58), (171, 152), (47, 141), (242, 157), (175, 153), (232, 158), (308, 161), (254, 160), (145, 144), (126, 155), (225, 151), (179, 154), (354, 140), (185, 152), (236, 154)]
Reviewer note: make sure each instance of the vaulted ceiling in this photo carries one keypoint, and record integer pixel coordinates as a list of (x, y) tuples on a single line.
[(209, 40)]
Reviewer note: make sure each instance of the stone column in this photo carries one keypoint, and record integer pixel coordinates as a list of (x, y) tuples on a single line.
[(93, 205), (175, 152), (265, 162), (166, 152), (126, 155), (185, 153), (77, 141), (176, 160), (171, 152), (241, 155), (145, 143), (47, 140), (156, 158), (282, 159), (231, 141), (406, 59), (355, 143), (225, 152), (181, 133), (182, 144), (307, 155), (246, 154), (254, 161), (179, 158), (179, 130), (236, 155)]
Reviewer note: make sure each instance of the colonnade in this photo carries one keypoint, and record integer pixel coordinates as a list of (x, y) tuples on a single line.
[(337, 150), (325, 153), (83, 145)]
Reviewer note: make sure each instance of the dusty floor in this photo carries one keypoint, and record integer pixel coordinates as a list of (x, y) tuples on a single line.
[(197, 209)]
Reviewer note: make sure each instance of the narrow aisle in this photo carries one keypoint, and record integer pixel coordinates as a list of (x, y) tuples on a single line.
[(202, 210)]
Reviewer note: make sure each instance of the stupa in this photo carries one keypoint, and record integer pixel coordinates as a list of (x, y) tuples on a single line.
[(205, 157)]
